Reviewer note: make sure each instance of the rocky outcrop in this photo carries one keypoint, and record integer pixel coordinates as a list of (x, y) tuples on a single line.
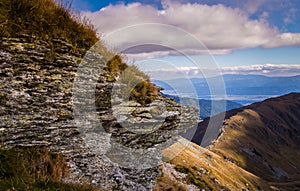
[(37, 109)]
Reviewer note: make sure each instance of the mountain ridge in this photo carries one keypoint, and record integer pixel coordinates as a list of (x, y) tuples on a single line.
[(258, 137), (257, 149)]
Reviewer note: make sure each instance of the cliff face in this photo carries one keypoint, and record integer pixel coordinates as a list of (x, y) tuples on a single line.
[(36, 106), (36, 109)]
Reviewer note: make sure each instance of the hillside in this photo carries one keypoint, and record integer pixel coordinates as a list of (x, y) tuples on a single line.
[(45, 19), (260, 141), (195, 168), (262, 138)]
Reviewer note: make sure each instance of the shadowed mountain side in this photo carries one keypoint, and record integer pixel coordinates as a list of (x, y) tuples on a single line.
[(263, 138)]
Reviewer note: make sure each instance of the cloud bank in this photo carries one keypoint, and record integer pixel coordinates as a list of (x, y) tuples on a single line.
[(221, 29), (193, 72)]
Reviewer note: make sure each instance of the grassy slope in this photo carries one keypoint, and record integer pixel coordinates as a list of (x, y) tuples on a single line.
[(264, 139), (206, 170), (259, 146)]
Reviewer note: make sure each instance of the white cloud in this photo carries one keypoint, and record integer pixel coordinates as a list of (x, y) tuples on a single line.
[(193, 72), (221, 29), (253, 5), (266, 69), (284, 39)]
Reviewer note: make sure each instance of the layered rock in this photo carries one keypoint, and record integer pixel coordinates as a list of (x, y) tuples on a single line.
[(37, 109)]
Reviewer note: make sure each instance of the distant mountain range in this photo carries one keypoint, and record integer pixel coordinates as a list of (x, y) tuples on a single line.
[(257, 148), (207, 108), (243, 89)]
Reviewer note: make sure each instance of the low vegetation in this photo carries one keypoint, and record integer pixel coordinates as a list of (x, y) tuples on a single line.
[(206, 170), (192, 178), (34, 169), (116, 64), (138, 84), (45, 19)]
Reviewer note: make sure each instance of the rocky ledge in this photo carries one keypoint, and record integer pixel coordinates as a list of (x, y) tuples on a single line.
[(37, 109)]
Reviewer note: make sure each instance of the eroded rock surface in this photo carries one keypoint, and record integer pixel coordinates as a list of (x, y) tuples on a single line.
[(37, 109)]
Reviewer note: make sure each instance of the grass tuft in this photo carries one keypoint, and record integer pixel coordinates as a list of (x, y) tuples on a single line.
[(34, 169), (138, 84)]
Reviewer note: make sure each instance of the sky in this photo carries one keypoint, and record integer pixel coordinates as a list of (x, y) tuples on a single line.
[(237, 36)]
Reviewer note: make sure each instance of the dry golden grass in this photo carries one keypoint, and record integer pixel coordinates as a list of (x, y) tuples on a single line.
[(213, 170), (34, 169), (165, 183), (45, 19), (138, 84), (263, 139)]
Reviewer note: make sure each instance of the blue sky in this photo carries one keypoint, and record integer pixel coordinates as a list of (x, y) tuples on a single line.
[(278, 10), (238, 33)]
